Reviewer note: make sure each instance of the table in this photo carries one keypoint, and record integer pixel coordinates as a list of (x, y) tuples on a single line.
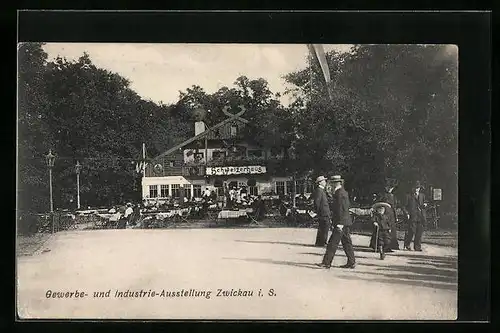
[(360, 211), (232, 214)]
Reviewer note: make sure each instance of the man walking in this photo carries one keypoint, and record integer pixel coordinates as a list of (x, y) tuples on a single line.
[(342, 222), (322, 208), (415, 210)]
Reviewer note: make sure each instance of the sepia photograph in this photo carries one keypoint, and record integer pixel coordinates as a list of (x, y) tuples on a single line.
[(232, 181)]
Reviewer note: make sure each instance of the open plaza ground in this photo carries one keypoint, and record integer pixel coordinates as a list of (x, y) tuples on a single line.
[(233, 273)]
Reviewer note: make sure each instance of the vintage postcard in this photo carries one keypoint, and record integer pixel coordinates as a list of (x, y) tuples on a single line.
[(237, 181)]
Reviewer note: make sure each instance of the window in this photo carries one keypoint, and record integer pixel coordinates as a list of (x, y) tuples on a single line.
[(163, 191), (299, 187), (198, 156), (153, 191), (187, 191), (175, 163), (218, 155), (234, 130), (255, 153), (280, 187), (197, 191), (289, 187), (176, 190), (252, 190)]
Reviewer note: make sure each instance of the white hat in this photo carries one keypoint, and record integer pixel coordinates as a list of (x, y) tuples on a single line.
[(381, 204), (320, 178), (336, 178)]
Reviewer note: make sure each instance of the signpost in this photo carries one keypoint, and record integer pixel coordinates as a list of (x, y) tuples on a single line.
[(437, 194)]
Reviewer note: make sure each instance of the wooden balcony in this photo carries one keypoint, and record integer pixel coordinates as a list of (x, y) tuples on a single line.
[(274, 165)]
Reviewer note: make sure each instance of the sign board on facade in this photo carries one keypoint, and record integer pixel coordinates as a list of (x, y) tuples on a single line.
[(437, 194), (229, 170)]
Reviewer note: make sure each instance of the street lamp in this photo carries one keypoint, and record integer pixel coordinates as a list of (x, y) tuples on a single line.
[(78, 168), (50, 163)]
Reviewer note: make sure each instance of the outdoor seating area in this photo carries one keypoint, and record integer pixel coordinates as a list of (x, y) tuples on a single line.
[(265, 210)]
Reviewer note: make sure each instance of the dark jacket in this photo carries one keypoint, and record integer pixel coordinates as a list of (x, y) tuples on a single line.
[(389, 198), (415, 207), (340, 214), (382, 220), (321, 203)]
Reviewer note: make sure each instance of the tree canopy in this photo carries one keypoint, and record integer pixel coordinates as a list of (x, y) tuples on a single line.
[(393, 113)]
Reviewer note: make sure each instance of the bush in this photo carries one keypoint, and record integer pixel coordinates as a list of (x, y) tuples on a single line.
[(27, 224)]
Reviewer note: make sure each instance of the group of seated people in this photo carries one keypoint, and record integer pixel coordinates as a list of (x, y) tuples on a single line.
[(123, 215), (235, 198)]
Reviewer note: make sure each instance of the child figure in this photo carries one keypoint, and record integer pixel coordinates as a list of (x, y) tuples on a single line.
[(382, 221)]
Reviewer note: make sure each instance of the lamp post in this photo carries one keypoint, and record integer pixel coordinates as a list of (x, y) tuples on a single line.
[(50, 163), (78, 168)]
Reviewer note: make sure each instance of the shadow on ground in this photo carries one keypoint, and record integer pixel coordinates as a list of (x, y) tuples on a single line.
[(281, 243), (398, 280), (419, 272), (436, 263), (357, 249), (438, 272), (413, 276), (279, 262)]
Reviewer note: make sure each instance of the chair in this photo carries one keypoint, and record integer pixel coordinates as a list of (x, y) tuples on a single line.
[(213, 214), (254, 215), (432, 216), (184, 214), (44, 223), (112, 223)]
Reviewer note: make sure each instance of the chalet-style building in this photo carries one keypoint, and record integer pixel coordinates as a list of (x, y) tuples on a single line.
[(216, 158)]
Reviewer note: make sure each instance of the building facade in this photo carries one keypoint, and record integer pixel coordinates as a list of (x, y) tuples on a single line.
[(216, 159)]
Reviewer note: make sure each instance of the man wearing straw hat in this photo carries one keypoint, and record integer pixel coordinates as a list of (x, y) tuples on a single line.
[(322, 208), (342, 221)]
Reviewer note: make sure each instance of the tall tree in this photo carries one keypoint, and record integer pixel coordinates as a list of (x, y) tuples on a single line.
[(34, 135), (393, 113), (87, 114)]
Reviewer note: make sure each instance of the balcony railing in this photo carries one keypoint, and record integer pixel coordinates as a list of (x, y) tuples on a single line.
[(276, 165)]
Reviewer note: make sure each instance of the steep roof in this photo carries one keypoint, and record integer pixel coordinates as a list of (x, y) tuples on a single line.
[(210, 133)]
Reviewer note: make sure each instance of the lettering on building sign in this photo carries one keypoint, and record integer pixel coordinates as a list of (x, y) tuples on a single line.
[(222, 171)]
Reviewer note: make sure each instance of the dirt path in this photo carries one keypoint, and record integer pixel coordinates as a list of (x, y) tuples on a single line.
[(407, 285)]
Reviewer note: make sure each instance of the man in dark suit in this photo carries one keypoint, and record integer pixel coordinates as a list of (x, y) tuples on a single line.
[(342, 221), (415, 210), (322, 208)]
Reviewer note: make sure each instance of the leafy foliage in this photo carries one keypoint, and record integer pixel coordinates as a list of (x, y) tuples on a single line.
[(87, 114), (393, 114)]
